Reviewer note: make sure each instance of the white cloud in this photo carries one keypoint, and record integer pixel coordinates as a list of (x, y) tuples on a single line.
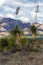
[(27, 9), (1, 14), (24, 19), (23, 4), (19, 3), (10, 15), (40, 3), (9, 9), (2, 2)]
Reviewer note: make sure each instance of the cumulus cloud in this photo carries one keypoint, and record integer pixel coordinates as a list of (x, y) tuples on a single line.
[(10, 15), (27, 9), (9, 9), (24, 19), (2, 2)]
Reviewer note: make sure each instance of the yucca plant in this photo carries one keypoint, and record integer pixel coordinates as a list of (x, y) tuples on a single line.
[(17, 33), (24, 43), (17, 11), (33, 31)]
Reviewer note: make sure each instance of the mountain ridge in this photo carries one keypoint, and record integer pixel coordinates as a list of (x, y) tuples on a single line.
[(7, 24)]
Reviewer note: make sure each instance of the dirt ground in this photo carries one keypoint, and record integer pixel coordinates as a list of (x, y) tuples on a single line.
[(20, 58)]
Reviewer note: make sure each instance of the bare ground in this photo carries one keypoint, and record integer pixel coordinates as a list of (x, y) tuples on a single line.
[(20, 58)]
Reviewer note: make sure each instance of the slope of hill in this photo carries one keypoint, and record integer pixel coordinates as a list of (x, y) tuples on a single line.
[(7, 24)]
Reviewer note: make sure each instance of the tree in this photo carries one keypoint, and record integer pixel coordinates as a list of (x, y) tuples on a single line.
[(17, 33), (33, 31)]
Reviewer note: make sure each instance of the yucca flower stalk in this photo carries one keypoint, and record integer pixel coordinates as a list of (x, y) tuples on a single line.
[(17, 11)]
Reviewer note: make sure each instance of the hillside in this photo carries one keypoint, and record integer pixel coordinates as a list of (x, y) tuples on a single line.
[(7, 24)]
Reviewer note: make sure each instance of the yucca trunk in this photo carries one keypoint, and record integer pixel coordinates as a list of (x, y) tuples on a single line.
[(33, 36), (17, 38)]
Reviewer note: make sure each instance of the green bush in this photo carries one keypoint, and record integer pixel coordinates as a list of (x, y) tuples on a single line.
[(3, 43), (0, 45), (13, 47), (35, 49), (24, 43), (12, 42), (8, 43)]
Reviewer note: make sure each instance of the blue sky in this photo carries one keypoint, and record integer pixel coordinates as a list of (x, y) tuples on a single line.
[(27, 9)]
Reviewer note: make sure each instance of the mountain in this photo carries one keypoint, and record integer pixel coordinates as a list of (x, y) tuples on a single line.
[(39, 26), (7, 24)]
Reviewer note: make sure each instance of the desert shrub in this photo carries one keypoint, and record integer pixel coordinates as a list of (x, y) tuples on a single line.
[(11, 42), (3, 43), (24, 43), (0, 46), (38, 46), (35, 49), (13, 47)]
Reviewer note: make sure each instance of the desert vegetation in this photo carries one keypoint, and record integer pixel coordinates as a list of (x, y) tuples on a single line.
[(18, 41), (17, 49)]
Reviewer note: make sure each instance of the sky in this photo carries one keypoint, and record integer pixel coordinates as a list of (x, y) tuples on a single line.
[(27, 10)]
